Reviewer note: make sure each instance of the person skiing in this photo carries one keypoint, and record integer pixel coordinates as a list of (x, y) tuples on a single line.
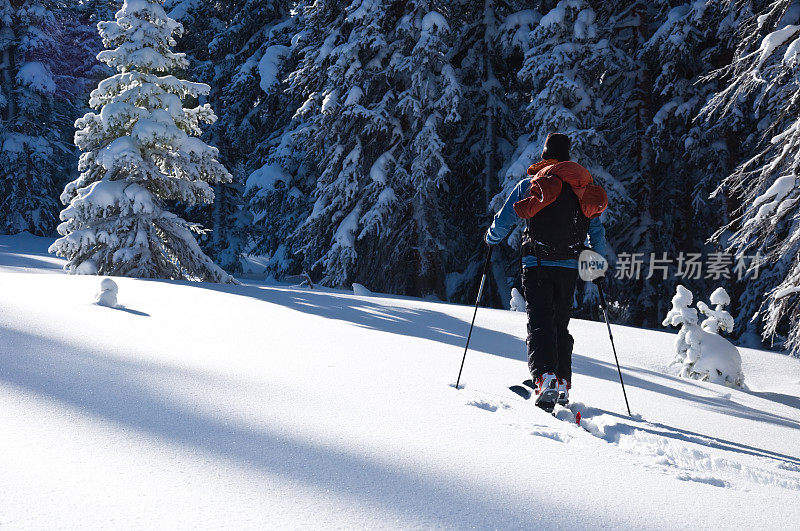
[(561, 206)]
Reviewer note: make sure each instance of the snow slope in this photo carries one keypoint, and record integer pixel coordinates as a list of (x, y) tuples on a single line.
[(267, 405)]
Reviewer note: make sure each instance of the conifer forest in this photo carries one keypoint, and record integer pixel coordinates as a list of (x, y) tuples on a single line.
[(372, 142)]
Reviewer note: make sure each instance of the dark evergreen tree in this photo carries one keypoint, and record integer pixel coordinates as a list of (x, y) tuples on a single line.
[(34, 154), (362, 162), (229, 44)]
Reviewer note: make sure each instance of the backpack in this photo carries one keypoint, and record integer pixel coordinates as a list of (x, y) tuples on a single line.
[(558, 216)]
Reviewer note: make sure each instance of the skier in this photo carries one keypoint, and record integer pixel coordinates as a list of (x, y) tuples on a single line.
[(561, 207)]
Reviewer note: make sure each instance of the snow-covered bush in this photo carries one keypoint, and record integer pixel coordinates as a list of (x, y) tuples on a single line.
[(139, 151), (703, 355), (717, 320)]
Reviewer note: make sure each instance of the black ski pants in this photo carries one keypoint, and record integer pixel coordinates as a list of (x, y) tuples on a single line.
[(549, 291)]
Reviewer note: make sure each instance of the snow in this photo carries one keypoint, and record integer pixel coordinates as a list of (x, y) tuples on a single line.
[(264, 179), (107, 296), (791, 57), (720, 296), (20, 143), (297, 407), (354, 95), (269, 66), (27, 253), (182, 8), (516, 27), (122, 149), (774, 40), (133, 6), (345, 233), (557, 15), (434, 20), (517, 301), (720, 361), (360, 290), (330, 101), (584, 25), (363, 9), (785, 292), (101, 195), (378, 170), (772, 198), (36, 76), (327, 47)]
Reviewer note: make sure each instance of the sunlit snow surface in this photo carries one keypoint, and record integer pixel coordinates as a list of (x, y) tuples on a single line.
[(199, 405)]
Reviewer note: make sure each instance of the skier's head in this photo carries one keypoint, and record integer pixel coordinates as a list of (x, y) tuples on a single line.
[(556, 147)]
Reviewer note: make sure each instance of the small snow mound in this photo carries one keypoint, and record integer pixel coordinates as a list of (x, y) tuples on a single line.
[(517, 301), (720, 361), (107, 296), (360, 290)]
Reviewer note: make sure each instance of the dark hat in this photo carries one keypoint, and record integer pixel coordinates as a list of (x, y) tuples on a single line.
[(556, 147)]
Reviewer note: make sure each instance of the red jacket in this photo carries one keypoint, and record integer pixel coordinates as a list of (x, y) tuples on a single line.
[(548, 178)]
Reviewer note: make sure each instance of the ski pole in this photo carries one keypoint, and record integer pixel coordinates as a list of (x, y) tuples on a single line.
[(605, 314), (477, 302)]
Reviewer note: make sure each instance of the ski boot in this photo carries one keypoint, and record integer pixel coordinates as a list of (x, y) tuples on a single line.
[(547, 391)]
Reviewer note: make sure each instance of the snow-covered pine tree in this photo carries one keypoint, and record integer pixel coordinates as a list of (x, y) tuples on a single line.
[(365, 146), (246, 56), (33, 150), (761, 102), (318, 158), (352, 138), (204, 21), (428, 99), (140, 151), (79, 44)]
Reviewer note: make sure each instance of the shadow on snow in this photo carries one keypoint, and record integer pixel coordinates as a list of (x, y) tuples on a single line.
[(122, 392)]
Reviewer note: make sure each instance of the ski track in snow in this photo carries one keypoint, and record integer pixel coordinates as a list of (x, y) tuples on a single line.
[(656, 448)]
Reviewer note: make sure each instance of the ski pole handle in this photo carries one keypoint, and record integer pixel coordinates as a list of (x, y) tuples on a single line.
[(488, 258)]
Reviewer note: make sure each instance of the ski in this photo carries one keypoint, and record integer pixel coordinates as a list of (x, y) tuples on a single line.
[(520, 391), (546, 401)]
